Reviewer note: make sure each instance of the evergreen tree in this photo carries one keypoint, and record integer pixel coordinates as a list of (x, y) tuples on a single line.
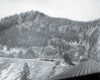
[(25, 73)]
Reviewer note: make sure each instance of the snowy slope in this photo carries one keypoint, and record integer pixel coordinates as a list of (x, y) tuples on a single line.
[(39, 70)]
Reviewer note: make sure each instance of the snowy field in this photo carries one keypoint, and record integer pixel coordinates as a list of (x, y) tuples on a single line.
[(39, 70)]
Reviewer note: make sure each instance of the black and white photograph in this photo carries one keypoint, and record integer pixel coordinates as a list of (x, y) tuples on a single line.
[(49, 39)]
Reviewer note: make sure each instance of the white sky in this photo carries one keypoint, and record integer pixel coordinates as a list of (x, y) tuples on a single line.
[(82, 10)]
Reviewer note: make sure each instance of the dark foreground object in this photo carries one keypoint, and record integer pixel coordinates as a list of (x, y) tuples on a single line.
[(95, 76)]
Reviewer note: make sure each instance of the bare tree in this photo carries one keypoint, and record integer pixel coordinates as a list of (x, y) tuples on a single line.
[(67, 59)]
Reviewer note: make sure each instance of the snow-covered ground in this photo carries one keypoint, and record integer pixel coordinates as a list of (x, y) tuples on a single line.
[(39, 70)]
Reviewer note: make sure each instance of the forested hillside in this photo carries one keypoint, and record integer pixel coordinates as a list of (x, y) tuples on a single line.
[(45, 45), (36, 34)]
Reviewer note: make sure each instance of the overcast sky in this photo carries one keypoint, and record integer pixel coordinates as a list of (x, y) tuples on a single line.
[(82, 10)]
